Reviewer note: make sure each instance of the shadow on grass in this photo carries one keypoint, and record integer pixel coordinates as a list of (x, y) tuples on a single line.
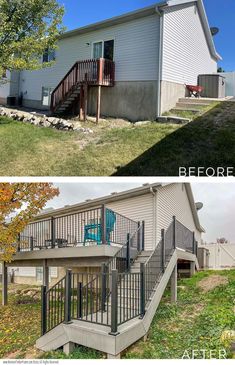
[(5, 121), (208, 141)]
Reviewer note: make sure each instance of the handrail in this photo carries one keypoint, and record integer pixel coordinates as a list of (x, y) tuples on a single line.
[(96, 72), (122, 252)]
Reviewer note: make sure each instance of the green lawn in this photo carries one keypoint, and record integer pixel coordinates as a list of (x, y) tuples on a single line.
[(151, 149), (197, 322)]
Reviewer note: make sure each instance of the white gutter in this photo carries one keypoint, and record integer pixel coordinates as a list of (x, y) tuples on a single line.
[(160, 59)]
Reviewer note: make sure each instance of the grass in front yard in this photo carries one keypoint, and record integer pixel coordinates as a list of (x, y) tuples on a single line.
[(197, 322)]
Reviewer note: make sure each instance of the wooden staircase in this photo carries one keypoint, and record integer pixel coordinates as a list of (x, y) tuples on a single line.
[(73, 88)]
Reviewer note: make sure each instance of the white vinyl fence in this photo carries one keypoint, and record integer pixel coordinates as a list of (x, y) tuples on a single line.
[(222, 256), (230, 83)]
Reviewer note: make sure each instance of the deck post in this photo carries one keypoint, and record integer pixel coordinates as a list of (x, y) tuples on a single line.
[(31, 243), (103, 224), (103, 287), (67, 308), (98, 104), (52, 232), (85, 98), (114, 304), (142, 290), (192, 268), (79, 300), (194, 243), (43, 310), (18, 243), (128, 256), (138, 238), (81, 112), (174, 232), (143, 235), (45, 274), (174, 285), (163, 250), (4, 284)]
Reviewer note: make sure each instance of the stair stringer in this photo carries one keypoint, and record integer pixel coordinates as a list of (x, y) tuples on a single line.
[(158, 293), (53, 339)]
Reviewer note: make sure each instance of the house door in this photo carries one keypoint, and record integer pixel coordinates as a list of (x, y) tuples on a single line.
[(97, 50)]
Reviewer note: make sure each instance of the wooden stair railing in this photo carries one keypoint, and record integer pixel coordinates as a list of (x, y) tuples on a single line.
[(100, 72)]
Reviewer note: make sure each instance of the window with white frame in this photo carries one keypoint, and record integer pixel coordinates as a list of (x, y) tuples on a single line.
[(48, 55), (46, 95), (103, 49)]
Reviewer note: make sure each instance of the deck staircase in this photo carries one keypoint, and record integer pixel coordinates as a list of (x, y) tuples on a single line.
[(117, 306), (73, 88)]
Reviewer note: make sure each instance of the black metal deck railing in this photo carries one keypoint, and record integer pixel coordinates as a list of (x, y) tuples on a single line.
[(96, 226), (116, 294)]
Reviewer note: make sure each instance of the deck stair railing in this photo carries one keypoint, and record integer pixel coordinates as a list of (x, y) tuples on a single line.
[(115, 295), (101, 226), (93, 72), (126, 255)]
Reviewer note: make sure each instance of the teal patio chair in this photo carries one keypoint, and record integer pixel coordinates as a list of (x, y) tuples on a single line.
[(93, 232)]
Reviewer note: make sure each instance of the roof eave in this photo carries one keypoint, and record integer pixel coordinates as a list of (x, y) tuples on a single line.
[(150, 10)]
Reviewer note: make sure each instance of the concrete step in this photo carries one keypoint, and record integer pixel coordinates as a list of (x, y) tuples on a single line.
[(179, 109), (198, 100), (189, 105)]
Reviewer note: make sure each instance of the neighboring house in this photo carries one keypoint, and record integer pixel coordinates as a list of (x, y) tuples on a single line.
[(122, 250), (155, 50), (220, 256)]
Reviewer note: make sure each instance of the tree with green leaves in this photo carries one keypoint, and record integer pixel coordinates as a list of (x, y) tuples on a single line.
[(27, 29)]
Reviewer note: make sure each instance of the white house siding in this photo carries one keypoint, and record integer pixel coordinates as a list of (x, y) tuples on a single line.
[(185, 49), (139, 208), (172, 200), (135, 55), (5, 90)]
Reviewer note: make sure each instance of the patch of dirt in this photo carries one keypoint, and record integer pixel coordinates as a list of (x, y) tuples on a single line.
[(13, 355), (33, 353), (212, 282), (192, 312)]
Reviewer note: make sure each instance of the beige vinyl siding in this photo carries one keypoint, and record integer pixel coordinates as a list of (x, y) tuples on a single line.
[(138, 208), (173, 200), (186, 53), (135, 54)]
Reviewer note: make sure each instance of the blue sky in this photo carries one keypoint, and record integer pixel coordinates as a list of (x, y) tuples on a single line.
[(220, 14)]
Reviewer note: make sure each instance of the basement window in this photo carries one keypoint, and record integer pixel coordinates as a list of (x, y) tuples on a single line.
[(46, 95)]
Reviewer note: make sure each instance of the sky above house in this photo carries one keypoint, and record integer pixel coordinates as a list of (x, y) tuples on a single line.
[(220, 14), (217, 215)]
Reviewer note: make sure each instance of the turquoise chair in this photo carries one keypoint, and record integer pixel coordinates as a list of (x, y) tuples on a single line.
[(93, 232)]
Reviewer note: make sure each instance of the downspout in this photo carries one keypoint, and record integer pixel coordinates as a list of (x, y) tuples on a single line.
[(160, 59), (154, 194)]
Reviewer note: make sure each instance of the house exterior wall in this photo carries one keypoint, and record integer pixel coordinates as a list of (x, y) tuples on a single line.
[(138, 208), (135, 55), (172, 200), (186, 53), (5, 90)]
